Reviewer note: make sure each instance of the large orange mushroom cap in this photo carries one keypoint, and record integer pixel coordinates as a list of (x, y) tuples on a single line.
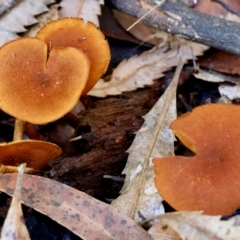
[(210, 180), (38, 88), (36, 154), (73, 32)]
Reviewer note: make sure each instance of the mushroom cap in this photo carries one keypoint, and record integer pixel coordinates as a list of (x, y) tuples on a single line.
[(36, 154), (74, 32), (210, 180), (13, 169), (38, 88)]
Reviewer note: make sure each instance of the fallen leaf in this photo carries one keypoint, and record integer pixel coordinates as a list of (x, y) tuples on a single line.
[(14, 227), (85, 216), (139, 71), (21, 15), (230, 92), (155, 138), (163, 231), (43, 19), (213, 76), (215, 9), (5, 5), (86, 9), (139, 31), (194, 226), (111, 28), (221, 61)]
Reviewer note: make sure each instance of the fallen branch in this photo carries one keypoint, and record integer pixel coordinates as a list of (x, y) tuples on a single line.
[(174, 17)]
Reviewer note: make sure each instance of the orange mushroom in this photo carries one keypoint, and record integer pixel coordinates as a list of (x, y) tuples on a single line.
[(73, 32), (36, 154), (210, 180), (37, 87)]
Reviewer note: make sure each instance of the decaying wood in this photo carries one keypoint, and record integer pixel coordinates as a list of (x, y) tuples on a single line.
[(174, 17), (107, 132)]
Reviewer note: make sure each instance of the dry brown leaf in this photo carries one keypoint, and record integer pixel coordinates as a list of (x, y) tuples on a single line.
[(21, 15), (164, 232), (219, 60), (86, 9), (139, 71), (229, 92), (194, 226), (213, 76), (142, 70), (80, 213), (43, 19), (14, 227), (215, 9), (139, 31), (152, 139)]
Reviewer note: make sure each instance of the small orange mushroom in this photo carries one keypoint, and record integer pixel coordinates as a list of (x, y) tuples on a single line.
[(73, 32), (36, 154), (37, 87), (210, 180)]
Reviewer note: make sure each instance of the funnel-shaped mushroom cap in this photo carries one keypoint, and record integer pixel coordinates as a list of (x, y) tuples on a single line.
[(39, 88), (36, 154), (210, 180), (73, 32)]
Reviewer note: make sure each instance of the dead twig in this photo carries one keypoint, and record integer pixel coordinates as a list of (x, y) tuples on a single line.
[(179, 19)]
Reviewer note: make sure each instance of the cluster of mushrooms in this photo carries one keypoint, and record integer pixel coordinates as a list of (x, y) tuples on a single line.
[(42, 78)]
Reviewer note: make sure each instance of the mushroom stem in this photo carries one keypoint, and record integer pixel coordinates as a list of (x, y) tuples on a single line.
[(18, 129), (31, 131)]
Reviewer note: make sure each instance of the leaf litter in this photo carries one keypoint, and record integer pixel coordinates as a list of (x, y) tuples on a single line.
[(177, 218), (153, 139), (140, 71), (229, 87), (195, 226), (14, 226), (43, 19), (22, 14), (89, 10), (85, 216)]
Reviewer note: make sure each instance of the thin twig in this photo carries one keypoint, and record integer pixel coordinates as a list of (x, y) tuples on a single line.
[(141, 18)]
